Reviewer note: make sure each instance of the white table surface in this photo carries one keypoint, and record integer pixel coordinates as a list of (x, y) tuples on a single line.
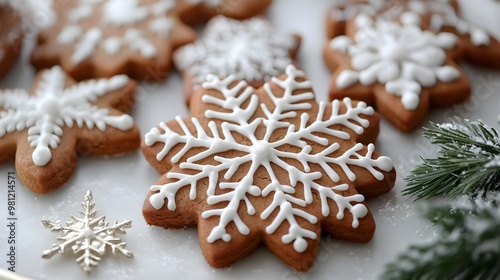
[(120, 184)]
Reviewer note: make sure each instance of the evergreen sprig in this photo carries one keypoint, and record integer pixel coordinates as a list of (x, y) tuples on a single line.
[(468, 161), (468, 248)]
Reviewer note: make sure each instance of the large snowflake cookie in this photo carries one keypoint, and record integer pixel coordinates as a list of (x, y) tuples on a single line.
[(400, 68), (11, 37), (267, 166), (45, 128), (251, 50)]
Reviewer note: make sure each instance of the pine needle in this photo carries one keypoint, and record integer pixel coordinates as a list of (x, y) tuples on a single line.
[(468, 162), (468, 247)]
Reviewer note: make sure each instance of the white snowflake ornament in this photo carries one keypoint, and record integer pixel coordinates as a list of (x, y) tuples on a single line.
[(89, 237), (251, 50), (267, 165), (57, 118)]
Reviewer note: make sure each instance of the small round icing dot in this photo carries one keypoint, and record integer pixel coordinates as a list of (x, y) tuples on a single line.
[(393, 51), (410, 101), (157, 201), (49, 105), (41, 156), (300, 245), (385, 163), (359, 210)]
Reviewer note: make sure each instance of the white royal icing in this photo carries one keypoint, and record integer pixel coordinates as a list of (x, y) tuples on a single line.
[(264, 153), (252, 50), (443, 14), (124, 16), (404, 58), (53, 106)]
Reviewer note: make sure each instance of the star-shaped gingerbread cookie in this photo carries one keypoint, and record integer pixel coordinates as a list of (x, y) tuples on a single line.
[(400, 68), (267, 166), (46, 128)]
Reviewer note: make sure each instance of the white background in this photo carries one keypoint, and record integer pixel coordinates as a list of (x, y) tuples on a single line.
[(120, 184)]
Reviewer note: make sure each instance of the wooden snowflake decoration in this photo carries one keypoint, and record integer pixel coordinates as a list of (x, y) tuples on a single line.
[(89, 237), (268, 164)]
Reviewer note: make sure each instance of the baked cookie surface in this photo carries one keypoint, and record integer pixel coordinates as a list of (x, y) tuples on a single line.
[(267, 166)]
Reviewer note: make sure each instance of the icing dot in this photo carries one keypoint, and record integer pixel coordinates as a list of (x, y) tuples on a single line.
[(123, 12), (41, 155), (261, 150), (393, 51), (385, 163), (49, 105), (300, 245), (410, 101), (226, 237), (359, 210), (157, 201)]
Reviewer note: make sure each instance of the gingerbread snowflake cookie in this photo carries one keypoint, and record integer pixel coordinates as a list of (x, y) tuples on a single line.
[(44, 129), (267, 166), (10, 37), (399, 68), (103, 38), (251, 50)]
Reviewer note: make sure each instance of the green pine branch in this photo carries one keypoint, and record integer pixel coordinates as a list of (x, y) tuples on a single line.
[(468, 161), (468, 248)]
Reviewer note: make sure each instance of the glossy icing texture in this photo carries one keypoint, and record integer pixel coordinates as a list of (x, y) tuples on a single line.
[(263, 130), (53, 105), (404, 58), (251, 50)]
